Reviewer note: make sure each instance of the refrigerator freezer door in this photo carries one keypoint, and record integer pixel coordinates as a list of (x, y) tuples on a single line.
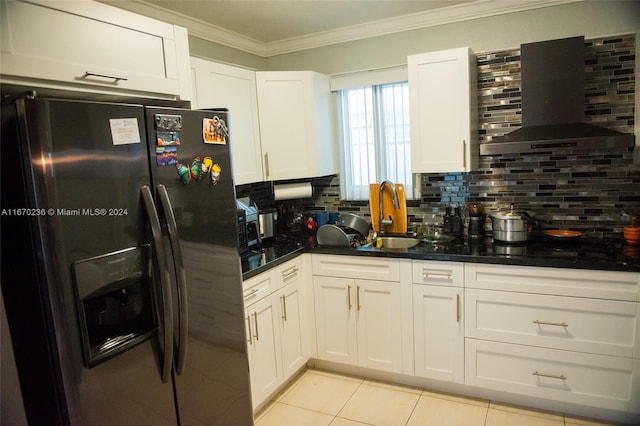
[(212, 385), (82, 164)]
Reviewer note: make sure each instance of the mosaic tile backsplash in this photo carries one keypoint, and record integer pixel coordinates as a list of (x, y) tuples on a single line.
[(569, 189)]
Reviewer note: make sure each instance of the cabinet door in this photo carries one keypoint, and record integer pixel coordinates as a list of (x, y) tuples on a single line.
[(336, 319), (379, 325), (217, 85), (441, 92), (438, 332), (293, 329), (91, 46), (285, 123), (297, 128), (264, 349)]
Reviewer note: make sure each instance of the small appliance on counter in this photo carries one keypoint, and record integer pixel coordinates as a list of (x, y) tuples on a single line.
[(267, 222), (283, 218), (476, 220), (242, 231), (252, 224)]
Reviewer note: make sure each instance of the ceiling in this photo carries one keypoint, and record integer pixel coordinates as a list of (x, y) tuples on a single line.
[(269, 27)]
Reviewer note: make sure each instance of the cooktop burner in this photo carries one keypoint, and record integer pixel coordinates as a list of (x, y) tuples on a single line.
[(585, 248)]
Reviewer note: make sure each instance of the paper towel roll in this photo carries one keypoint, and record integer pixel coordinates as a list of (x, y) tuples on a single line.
[(289, 191)]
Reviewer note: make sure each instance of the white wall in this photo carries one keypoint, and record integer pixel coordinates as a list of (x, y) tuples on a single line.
[(590, 18), (219, 53)]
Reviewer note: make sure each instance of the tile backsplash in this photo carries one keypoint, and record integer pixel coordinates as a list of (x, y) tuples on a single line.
[(586, 190)]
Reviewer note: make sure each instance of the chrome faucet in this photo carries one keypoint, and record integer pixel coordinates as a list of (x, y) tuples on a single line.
[(396, 204)]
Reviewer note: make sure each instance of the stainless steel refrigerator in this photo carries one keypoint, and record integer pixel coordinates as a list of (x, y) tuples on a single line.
[(120, 270)]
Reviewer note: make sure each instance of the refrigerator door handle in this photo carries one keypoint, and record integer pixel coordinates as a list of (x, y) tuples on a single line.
[(165, 279), (181, 277)]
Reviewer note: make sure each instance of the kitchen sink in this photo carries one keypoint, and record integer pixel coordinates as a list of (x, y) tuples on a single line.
[(399, 242)]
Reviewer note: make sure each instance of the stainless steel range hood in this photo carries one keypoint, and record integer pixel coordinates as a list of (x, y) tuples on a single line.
[(553, 105)]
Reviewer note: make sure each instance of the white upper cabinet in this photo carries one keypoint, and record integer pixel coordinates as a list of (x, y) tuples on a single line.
[(442, 99), (92, 47), (296, 124), (222, 86)]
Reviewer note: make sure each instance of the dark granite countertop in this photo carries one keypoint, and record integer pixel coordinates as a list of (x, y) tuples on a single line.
[(272, 253), (610, 254)]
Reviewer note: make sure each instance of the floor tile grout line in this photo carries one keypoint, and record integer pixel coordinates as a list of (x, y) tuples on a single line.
[(350, 396), (414, 407)]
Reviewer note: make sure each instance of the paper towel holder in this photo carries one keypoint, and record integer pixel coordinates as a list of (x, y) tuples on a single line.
[(292, 191)]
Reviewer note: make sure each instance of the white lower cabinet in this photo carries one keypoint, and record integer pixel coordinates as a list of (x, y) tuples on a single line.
[(276, 309), (265, 353), (559, 334), (438, 321), (293, 329), (566, 376), (568, 337), (335, 319), (358, 322)]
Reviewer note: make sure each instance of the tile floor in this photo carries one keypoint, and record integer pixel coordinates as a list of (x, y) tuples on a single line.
[(322, 398)]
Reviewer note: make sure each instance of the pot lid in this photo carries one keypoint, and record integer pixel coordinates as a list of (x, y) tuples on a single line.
[(512, 214)]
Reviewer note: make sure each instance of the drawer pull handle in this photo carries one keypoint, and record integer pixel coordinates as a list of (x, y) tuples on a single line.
[(250, 340), (551, 376), (252, 292), (457, 308), (284, 308), (358, 296), (289, 272), (426, 274), (349, 296), (115, 78), (557, 324)]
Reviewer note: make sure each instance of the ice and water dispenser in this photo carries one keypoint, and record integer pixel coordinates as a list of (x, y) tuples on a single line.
[(115, 302)]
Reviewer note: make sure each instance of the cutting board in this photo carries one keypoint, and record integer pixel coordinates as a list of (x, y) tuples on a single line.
[(399, 217)]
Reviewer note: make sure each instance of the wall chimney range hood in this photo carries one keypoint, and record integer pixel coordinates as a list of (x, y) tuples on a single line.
[(553, 104)]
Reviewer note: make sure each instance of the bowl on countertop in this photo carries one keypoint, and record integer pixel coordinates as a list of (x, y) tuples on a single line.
[(632, 233)]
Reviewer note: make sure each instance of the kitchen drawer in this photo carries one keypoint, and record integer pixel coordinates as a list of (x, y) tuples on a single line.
[(256, 288), (586, 379), (605, 327), (562, 282), (289, 272), (438, 273), (356, 267)]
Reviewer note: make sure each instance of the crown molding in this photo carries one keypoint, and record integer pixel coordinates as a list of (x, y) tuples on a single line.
[(448, 15), (195, 27)]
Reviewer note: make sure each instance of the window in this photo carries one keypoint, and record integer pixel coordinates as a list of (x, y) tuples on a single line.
[(374, 138)]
